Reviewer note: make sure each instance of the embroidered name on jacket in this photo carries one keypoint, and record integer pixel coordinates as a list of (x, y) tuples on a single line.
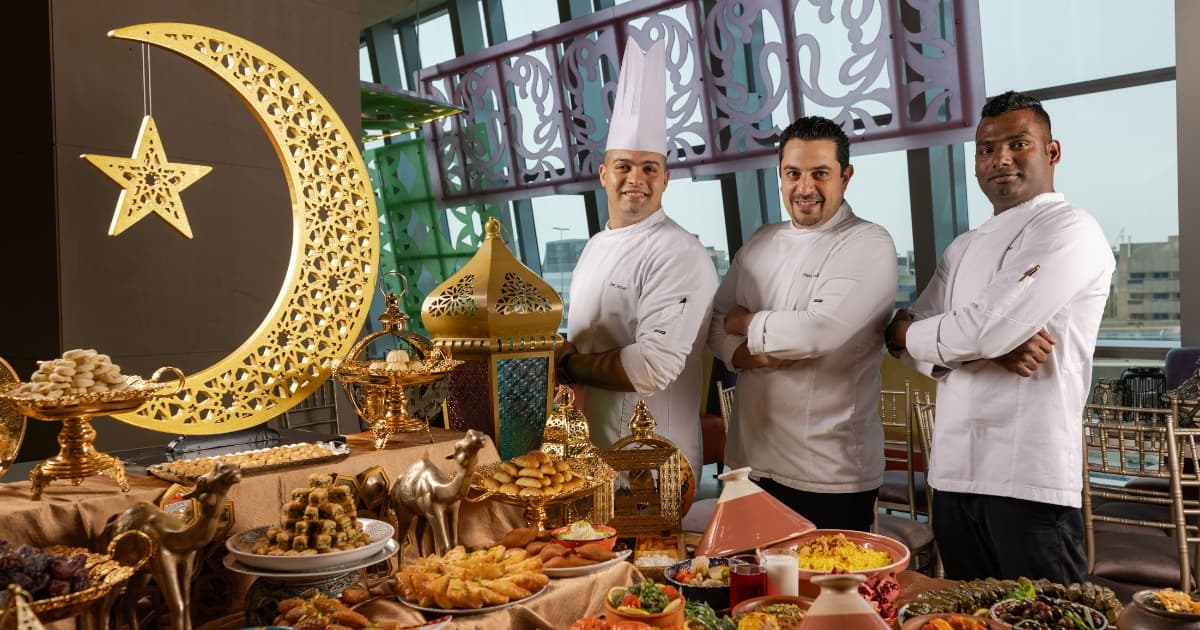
[(616, 285)]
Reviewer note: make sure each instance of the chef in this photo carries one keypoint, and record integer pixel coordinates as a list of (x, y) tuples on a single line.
[(1008, 325), (799, 316), (641, 294)]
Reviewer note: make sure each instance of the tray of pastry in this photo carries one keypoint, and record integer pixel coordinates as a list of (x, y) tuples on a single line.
[(253, 462), (536, 477)]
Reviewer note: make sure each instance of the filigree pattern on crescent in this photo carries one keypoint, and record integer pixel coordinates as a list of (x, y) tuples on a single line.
[(518, 296), (457, 300), (323, 302)]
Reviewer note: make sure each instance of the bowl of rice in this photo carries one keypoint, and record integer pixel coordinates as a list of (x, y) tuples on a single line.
[(824, 551)]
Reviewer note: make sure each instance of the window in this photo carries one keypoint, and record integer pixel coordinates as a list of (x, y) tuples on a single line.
[(1146, 243), (523, 17), (560, 223), (696, 206), (878, 192), (364, 63), (1090, 40), (1162, 296)]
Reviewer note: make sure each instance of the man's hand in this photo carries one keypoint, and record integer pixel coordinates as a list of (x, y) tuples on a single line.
[(561, 357), (737, 321), (1025, 358), (743, 360), (895, 337)]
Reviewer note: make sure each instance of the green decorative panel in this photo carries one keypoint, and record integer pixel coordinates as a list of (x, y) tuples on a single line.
[(523, 385)]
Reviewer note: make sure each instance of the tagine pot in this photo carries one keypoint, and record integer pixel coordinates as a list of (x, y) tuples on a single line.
[(840, 607)]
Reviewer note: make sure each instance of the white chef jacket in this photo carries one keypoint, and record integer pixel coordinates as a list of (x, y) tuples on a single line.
[(646, 288), (1042, 264), (823, 296)]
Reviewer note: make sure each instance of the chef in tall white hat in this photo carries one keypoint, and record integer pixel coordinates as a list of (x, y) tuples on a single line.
[(641, 294)]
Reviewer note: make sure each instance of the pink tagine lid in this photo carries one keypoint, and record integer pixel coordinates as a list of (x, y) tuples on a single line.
[(746, 518)]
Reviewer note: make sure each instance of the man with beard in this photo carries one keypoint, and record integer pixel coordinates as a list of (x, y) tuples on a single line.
[(1008, 326), (799, 316), (641, 294)]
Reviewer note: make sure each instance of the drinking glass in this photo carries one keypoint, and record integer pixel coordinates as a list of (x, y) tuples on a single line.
[(747, 578), (783, 571)]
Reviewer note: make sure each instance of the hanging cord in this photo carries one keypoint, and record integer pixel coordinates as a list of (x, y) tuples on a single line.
[(147, 87)]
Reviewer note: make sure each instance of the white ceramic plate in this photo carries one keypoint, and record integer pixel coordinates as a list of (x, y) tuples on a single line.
[(389, 549), (566, 572), (471, 611), (240, 547)]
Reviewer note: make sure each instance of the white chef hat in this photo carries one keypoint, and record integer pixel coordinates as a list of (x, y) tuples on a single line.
[(639, 118)]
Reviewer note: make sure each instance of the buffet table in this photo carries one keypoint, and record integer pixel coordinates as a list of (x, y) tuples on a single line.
[(75, 515)]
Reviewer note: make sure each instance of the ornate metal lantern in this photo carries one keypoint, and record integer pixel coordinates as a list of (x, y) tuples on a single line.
[(501, 319), (649, 479)]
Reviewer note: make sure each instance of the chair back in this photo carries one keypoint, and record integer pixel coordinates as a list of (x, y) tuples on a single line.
[(1135, 442), (316, 413), (898, 444), (725, 396), (923, 409)]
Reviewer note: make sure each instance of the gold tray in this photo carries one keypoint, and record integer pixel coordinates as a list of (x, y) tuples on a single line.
[(593, 471), (426, 371), (101, 403), (107, 573), (335, 450)]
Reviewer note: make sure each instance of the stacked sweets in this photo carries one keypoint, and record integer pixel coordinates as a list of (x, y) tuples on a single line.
[(318, 519)]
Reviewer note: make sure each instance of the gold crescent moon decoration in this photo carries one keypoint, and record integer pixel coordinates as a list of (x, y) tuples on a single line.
[(323, 303)]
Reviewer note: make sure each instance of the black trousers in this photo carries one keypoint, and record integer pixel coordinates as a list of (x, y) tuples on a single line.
[(985, 536), (853, 510)]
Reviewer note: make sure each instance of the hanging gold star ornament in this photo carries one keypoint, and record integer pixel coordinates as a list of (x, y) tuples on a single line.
[(150, 182)]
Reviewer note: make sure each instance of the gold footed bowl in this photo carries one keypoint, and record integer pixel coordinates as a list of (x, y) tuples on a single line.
[(77, 458), (126, 554), (380, 395), (592, 470)]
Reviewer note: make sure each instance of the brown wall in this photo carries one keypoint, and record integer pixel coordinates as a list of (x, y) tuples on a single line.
[(150, 297)]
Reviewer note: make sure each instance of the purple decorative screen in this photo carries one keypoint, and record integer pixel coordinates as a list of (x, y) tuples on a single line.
[(897, 74)]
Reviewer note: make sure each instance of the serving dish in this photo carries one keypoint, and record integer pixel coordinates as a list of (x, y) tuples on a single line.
[(1042, 612), (388, 550), (758, 603), (1147, 601), (716, 596), (897, 550), (566, 572), (186, 471), (471, 611), (955, 620), (240, 547)]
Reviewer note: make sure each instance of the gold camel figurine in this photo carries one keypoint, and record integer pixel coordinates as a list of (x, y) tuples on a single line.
[(175, 543)]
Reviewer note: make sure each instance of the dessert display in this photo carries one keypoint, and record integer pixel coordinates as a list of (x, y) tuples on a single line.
[(251, 462), (77, 373), (320, 518), (462, 580), (553, 554), (532, 475)]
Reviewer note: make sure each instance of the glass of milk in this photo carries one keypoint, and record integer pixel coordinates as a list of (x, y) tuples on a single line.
[(783, 571)]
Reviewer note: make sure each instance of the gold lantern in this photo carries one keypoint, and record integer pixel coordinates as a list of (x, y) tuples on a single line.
[(499, 318), (566, 435), (650, 479)]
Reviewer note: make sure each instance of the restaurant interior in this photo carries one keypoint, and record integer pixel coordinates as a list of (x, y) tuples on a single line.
[(428, 143)]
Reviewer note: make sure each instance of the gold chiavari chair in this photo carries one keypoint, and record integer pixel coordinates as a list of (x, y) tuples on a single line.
[(1124, 524)]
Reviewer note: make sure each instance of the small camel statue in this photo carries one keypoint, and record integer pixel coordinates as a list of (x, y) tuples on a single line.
[(431, 497), (176, 543)]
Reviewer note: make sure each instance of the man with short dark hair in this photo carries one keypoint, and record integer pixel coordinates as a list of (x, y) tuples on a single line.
[(1008, 326), (642, 290), (799, 316)]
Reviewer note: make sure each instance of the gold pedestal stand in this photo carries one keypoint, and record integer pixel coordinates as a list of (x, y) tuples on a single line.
[(77, 458), (377, 388), (592, 470)]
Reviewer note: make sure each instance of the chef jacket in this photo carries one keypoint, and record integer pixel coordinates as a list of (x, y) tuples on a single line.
[(646, 288), (1042, 264), (821, 296)]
